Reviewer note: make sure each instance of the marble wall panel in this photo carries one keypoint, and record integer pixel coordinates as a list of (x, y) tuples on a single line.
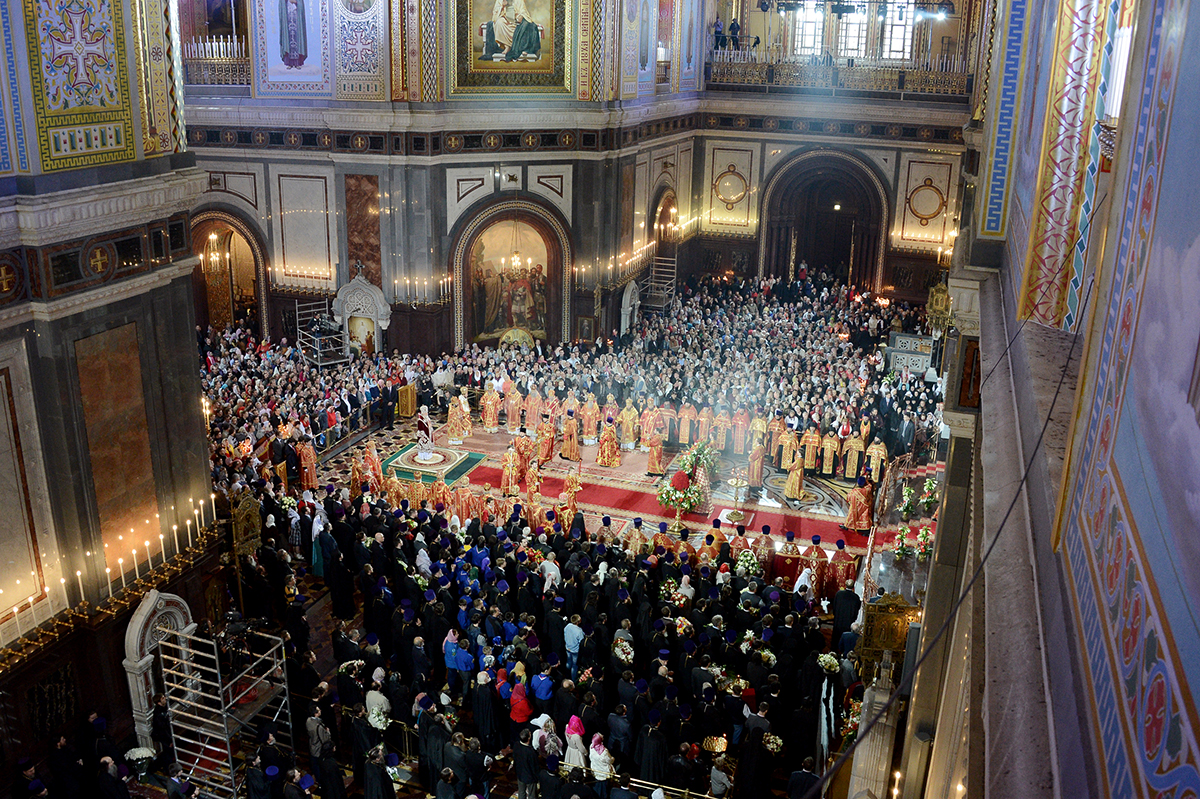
[(114, 412), (362, 225)]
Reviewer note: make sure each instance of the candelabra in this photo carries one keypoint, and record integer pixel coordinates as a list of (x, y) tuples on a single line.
[(30, 643)]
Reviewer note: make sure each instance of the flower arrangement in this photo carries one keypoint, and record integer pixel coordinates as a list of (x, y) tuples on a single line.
[(451, 719), (422, 581), (720, 676), (850, 723), (903, 548), (768, 658), (668, 587), (746, 560), (929, 496), (908, 504), (349, 664), (924, 544), (829, 663), (533, 558), (377, 718), (140, 758), (623, 651), (772, 743), (747, 642), (680, 493), (700, 455), (683, 627), (288, 503)]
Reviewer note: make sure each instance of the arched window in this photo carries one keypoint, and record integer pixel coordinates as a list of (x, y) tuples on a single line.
[(810, 30), (852, 35), (897, 30)]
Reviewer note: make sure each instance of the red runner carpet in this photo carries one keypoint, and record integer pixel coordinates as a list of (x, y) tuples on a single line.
[(628, 502)]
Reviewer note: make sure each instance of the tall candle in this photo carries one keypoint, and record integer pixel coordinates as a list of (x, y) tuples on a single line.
[(17, 616), (189, 533), (137, 572), (108, 576), (199, 526), (79, 577), (149, 558), (121, 566), (66, 599), (175, 537), (201, 514), (162, 549)]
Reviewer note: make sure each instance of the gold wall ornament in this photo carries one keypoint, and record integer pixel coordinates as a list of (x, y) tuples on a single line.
[(247, 525), (731, 187), (885, 629), (937, 307)]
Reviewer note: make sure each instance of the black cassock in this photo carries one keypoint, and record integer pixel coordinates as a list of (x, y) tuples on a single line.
[(377, 783), (485, 717), (653, 755)]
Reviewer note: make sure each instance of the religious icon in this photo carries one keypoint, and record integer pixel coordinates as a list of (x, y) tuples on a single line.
[(511, 35), (293, 33)]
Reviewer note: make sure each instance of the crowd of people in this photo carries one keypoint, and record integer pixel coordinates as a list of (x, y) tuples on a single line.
[(579, 661), (805, 353), (514, 642)]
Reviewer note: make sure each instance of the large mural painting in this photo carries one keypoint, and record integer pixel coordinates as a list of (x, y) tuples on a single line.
[(512, 46), (509, 267), (1133, 486), (291, 48)]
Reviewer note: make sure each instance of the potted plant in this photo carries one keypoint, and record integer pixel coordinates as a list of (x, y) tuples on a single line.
[(908, 503), (929, 497)]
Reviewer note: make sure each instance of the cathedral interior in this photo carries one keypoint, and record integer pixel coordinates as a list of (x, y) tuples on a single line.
[(167, 166)]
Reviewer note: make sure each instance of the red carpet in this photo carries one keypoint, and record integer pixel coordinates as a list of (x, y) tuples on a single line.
[(630, 502)]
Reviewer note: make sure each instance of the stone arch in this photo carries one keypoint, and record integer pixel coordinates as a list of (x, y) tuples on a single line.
[(794, 170), (252, 234), (154, 612), (631, 301), (362, 298), (555, 233)]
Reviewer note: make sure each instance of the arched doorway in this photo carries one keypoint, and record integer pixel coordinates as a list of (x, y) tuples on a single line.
[(666, 226), (230, 281), (828, 209), (511, 263), (631, 302)]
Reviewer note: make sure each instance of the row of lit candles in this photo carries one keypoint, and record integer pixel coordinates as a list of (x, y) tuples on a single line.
[(198, 517), (418, 290), (198, 514)]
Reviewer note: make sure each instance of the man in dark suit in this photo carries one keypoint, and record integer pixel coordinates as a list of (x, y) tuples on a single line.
[(388, 405), (802, 781), (905, 435)]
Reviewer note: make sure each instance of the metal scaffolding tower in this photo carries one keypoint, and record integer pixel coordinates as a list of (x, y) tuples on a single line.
[(659, 286), (222, 692), (321, 345)]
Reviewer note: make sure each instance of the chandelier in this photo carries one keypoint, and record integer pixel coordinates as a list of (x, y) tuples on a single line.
[(212, 259), (511, 266)]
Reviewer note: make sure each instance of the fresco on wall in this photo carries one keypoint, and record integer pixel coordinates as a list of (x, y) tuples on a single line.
[(505, 297), (511, 45), (291, 52), (512, 35), (1133, 491)]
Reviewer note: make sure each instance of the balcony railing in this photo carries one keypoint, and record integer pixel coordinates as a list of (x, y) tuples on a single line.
[(216, 61), (752, 70)]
